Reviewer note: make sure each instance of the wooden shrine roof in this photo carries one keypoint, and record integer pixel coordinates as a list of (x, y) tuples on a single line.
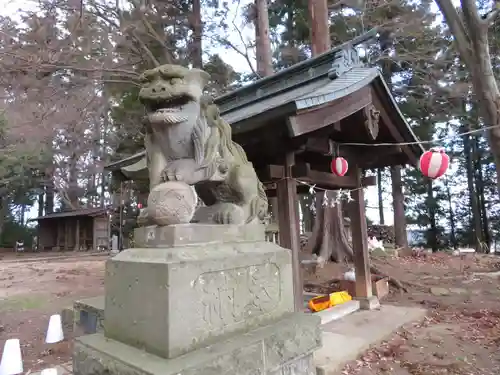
[(271, 103), (90, 212)]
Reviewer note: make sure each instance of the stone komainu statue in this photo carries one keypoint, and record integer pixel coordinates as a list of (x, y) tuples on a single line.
[(188, 144)]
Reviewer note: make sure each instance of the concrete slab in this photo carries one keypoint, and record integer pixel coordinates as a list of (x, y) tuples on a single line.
[(337, 312), (329, 358), (344, 340)]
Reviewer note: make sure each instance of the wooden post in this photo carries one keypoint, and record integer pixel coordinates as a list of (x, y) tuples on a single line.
[(359, 230), (77, 235), (94, 232), (59, 234), (289, 226), (66, 235)]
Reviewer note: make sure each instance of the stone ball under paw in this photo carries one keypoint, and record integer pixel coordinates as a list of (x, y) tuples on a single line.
[(172, 202)]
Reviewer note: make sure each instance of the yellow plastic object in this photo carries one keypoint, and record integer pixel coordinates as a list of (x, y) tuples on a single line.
[(319, 303), (324, 302), (339, 298)]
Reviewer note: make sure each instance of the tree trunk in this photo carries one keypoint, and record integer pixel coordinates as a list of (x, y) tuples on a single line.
[(489, 104), (22, 213), (380, 196), (432, 237), (49, 190), (307, 218), (451, 216), (470, 31), (329, 239), (262, 42), (398, 207), (320, 32), (314, 240), (197, 28), (474, 206), (481, 201), (72, 193), (40, 204)]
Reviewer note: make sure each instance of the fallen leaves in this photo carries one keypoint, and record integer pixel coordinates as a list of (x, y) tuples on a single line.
[(458, 337)]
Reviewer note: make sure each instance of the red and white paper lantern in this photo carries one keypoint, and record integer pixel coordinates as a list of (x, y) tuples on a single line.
[(434, 163), (339, 166)]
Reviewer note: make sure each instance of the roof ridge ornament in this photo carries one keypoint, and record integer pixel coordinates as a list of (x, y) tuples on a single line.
[(343, 61)]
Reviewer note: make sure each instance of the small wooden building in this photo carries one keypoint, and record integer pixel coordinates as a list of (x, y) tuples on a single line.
[(78, 230), (292, 124)]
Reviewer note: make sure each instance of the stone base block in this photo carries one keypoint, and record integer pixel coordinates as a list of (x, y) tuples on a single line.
[(170, 301), (89, 315), (68, 321), (368, 303), (193, 234), (282, 348)]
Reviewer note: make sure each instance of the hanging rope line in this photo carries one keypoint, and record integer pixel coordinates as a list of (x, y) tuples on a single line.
[(312, 187), (448, 137), (327, 201)]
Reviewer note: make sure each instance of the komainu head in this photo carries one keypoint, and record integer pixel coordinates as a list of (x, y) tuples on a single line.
[(172, 94)]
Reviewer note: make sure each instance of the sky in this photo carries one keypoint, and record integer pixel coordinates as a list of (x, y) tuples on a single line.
[(10, 8)]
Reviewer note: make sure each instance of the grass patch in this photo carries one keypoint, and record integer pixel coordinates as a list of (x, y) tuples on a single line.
[(23, 302)]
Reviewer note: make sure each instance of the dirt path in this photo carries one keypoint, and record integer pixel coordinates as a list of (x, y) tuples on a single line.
[(31, 291), (460, 336), (47, 256)]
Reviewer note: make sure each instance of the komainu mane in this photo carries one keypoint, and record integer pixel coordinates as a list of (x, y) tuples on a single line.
[(187, 140)]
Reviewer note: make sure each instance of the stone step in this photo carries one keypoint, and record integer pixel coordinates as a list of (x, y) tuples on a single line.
[(281, 348)]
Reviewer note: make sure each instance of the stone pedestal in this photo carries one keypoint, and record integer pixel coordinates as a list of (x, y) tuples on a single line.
[(200, 299)]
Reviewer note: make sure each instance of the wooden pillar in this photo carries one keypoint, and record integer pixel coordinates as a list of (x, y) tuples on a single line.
[(66, 234), (359, 230), (289, 226), (77, 235), (59, 234)]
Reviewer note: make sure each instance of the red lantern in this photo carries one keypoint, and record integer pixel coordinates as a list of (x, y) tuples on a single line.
[(434, 163), (139, 205), (339, 166)]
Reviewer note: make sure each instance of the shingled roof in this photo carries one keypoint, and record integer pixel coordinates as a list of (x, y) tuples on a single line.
[(304, 85), (92, 212)]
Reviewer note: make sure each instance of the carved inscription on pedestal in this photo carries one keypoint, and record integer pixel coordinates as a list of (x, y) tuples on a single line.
[(231, 296)]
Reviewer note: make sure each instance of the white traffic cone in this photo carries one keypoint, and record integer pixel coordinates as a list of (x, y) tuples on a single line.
[(12, 362), (55, 330), (49, 371)]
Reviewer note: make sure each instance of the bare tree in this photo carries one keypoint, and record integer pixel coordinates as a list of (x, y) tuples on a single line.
[(470, 30), (51, 83)]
